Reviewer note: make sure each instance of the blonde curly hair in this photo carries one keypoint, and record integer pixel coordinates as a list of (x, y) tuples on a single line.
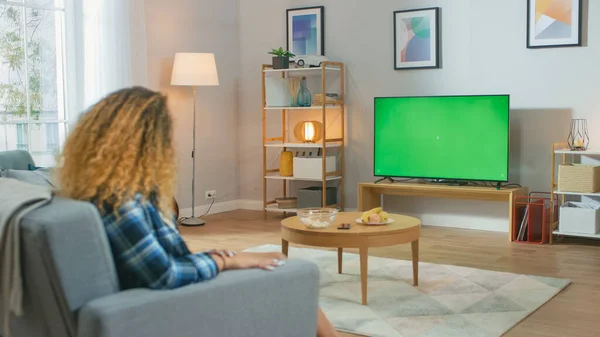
[(120, 148)]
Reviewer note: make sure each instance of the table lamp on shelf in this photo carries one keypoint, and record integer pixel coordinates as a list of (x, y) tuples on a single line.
[(309, 131), (194, 70)]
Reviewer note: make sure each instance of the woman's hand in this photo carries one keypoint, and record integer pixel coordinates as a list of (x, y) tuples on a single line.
[(267, 261), (222, 253)]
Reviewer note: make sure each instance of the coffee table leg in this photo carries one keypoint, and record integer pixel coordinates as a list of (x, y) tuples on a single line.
[(415, 262), (340, 253), (364, 257), (284, 247)]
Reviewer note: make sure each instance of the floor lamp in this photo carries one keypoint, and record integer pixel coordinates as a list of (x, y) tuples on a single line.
[(194, 70)]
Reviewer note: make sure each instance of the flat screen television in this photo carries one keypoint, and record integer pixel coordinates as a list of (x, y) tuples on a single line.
[(442, 138)]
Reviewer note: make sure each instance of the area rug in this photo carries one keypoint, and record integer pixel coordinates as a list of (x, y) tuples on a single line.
[(450, 301)]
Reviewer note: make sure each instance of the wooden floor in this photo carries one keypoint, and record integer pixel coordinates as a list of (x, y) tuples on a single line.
[(574, 312)]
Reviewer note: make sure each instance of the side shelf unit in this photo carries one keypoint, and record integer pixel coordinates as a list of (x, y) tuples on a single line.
[(562, 150), (326, 71)]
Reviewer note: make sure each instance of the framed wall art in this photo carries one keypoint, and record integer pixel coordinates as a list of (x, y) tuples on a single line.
[(417, 38), (306, 30), (554, 23)]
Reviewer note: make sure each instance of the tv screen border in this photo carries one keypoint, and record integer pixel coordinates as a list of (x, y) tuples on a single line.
[(441, 178)]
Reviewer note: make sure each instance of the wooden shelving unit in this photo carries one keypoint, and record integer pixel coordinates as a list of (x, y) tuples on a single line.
[(326, 71), (564, 152)]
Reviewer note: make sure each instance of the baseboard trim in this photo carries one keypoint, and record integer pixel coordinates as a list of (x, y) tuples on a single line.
[(427, 219), (225, 206), (257, 205), (253, 205), (217, 207)]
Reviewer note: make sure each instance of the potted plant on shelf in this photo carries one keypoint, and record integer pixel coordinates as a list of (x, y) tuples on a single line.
[(281, 58)]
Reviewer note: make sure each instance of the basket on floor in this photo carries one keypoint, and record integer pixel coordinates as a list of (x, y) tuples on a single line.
[(531, 222)]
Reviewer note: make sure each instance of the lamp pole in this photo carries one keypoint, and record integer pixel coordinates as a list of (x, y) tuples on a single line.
[(193, 221)]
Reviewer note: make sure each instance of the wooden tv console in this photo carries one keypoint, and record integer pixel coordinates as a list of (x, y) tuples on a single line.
[(369, 194)]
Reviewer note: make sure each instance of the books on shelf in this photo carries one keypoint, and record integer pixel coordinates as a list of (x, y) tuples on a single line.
[(330, 98), (287, 203)]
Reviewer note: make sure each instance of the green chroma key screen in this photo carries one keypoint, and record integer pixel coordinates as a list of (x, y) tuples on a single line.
[(446, 137)]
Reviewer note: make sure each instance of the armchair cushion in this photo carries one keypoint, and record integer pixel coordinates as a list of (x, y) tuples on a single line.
[(42, 177), (245, 303), (67, 262)]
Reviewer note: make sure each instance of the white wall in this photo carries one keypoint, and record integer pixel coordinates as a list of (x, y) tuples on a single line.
[(483, 50), (199, 26)]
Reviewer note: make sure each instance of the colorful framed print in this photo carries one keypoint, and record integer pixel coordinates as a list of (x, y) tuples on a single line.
[(306, 30), (417, 38), (554, 23)]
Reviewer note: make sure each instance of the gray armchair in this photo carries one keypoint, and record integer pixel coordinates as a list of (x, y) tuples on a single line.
[(71, 289), (15, 160)]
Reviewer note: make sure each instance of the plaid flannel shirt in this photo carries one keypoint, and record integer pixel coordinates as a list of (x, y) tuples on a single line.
[(149, 253)]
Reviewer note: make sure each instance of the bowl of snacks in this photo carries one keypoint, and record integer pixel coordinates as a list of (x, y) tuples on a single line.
[(317, 218)]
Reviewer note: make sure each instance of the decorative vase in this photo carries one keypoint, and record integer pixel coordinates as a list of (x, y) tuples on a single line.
[(294, 89), (286, 164), (578, 139), (304, 96), (281, 62)]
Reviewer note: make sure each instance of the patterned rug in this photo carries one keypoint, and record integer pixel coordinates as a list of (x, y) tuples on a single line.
[(450, 301)]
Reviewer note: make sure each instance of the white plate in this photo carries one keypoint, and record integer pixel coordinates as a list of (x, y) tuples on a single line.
[(389, 221)]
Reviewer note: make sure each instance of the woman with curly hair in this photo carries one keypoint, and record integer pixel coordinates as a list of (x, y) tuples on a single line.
[(120, 157)]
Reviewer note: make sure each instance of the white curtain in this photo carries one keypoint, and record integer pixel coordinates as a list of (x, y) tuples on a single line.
[(109, 49)]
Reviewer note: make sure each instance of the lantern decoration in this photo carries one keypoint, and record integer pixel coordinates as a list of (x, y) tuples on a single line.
[(309, 131), (578, 139), (286, 164)]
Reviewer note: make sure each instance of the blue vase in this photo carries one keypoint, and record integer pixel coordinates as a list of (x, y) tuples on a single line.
[(304, 97)]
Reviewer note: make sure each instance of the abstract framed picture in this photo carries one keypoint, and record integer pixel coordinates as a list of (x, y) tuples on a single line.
[(306, 30), (554, 23), (417, 38)]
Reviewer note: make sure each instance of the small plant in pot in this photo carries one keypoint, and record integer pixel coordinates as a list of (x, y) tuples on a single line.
[(281, 58)]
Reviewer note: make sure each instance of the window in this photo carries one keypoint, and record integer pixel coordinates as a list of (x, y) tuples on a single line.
[(33, 114), (52, 138), (22, 137)]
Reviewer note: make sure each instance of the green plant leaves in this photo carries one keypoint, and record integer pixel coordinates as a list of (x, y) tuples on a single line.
[(281, 52)]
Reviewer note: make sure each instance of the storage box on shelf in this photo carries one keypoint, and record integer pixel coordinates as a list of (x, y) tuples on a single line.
[(312, 168), (573, 181), (325, 167), (579, 178), (313, 197), (579, 218), (277, 92)]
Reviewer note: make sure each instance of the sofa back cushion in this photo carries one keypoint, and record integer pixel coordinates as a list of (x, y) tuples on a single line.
[(15, 160)]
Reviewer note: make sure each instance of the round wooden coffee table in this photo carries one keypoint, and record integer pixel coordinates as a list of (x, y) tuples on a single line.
[(403, 230)]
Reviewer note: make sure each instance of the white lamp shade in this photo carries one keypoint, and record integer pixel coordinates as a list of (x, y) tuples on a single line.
[(194, 69)]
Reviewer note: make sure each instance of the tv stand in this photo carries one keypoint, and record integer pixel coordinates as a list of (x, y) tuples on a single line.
[(370, 195), (390, 179)]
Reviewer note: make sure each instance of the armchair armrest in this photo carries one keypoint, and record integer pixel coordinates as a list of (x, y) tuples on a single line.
[(241, 303)]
